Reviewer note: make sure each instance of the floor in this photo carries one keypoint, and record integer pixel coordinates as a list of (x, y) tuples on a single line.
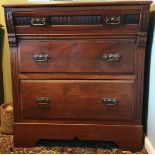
[(61, 147)]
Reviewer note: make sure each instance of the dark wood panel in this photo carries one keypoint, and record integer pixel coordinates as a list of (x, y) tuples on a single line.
[(116, 133), (77, 56), (77, 99)]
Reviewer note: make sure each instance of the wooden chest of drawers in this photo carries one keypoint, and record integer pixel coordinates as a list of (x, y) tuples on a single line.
[(77, 70)]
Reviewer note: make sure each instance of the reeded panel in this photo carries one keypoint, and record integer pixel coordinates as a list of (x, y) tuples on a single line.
[(61, 20), (22, 20), (76, 20)]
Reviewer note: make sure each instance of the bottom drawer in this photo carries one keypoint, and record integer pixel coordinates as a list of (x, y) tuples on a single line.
[(77, 99)]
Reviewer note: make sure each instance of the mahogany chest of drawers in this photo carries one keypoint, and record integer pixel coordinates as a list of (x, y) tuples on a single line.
[(77, 70)]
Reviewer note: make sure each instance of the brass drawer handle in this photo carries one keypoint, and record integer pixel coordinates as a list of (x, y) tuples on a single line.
[(38, 21), (43, 102), (111, 57), (114, 20), (40, 57), (110, 101)]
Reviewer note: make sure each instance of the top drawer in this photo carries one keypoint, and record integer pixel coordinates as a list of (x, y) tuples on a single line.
[(76, 20)]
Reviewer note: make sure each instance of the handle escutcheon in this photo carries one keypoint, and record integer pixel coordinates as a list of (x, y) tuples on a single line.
[(113, 20), (40, 57), (111, 57), (43, 102), (110, 101), (38, 21)]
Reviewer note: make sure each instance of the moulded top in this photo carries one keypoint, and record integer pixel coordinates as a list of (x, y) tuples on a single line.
[(79, 3)]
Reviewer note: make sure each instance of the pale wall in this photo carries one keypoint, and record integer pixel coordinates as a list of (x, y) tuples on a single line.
[(6, 55), (151, 104), (6, 62), (151, 107)]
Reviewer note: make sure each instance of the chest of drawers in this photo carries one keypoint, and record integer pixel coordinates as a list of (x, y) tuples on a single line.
[(77, 70)]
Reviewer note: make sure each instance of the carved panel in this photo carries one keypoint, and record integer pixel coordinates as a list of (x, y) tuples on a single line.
[(62, 20), (77, 20), (141, 41), (132, 19), (12, 39), (22, 20), (10, 27), (144, 18)]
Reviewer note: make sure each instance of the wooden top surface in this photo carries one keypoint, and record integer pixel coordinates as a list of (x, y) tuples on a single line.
[(80, 3)]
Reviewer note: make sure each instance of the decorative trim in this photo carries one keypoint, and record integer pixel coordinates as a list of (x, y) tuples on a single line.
[(22, 20), (144, 21), (77, 19), (10, 27), (148, 146), (62, 20), (141, 42), (12, 40), (132, 19)]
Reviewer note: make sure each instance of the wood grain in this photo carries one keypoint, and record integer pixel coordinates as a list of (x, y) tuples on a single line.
[(77, 56), (61, 131), (78, 99), (76, 78)]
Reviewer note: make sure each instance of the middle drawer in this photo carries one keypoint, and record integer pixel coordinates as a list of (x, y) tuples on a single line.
[(77, 56)]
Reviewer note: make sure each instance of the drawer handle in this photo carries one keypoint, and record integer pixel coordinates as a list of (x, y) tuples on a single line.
[(110, 101), (40, 57), (43, 102), (38, 21), (111, 57), (113, 20)]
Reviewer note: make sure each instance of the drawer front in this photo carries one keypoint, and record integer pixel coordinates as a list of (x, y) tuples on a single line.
[(70, 20), (77, 99), (75, 56)]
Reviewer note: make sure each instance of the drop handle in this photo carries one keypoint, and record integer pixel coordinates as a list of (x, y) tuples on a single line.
[(43, 102), (111, 57), (113, 20), (110, 101), (40, 57), (38, 21)]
